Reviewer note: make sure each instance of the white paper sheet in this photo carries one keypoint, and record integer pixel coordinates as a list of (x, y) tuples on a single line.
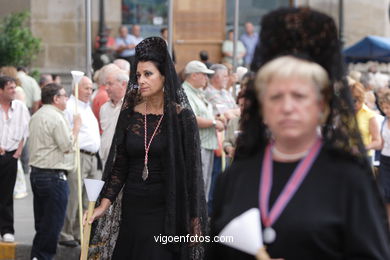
[(93, 188), (246, 232)]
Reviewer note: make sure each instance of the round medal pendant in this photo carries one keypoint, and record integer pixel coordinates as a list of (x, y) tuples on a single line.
[(145, 173), (269, 235)]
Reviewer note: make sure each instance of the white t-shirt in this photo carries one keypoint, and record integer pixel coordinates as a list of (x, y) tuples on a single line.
[(89, 136)]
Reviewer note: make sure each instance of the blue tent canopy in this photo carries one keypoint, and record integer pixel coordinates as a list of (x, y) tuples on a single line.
[(370, 48)]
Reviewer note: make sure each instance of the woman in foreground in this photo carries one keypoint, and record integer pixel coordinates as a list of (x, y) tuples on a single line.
[(300, 159)]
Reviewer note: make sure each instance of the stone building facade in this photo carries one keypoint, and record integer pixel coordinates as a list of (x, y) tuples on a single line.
[(61, 25), (361, 17)]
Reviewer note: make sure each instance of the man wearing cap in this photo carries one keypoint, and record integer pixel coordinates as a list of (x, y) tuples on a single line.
[(195, 81)]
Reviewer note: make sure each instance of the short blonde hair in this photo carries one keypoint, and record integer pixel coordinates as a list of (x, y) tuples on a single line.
[(358, 92), (10, 71), (291, 67)]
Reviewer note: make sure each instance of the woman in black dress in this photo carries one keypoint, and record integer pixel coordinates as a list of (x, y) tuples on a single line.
[(300, 158), (154, 165)]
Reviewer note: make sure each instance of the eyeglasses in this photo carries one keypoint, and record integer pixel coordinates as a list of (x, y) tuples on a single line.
[(62, 95)]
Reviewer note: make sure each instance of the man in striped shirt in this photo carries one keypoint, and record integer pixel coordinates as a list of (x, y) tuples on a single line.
[(51, 148), (195, 80), (14, 118)]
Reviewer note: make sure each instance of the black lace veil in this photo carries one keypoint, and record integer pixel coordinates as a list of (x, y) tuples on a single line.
[(186, 205), (310, 35)]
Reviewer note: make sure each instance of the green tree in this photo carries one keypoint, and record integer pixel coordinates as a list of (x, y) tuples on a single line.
[(18, 47)]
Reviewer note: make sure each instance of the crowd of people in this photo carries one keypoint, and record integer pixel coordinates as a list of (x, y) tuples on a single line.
[(123, 46), (295, 137)]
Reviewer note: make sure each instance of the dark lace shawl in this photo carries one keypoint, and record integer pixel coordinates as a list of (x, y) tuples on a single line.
[(311, 35), (186, 204)]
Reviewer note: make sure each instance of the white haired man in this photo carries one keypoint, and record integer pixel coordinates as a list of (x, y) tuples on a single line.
[(116, 81)]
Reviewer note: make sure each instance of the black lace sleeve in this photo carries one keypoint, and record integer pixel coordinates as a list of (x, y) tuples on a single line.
[(118, 174), (193, 180)]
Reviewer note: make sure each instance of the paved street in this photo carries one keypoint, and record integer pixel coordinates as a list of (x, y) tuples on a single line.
[(24, 217), (24, 230)]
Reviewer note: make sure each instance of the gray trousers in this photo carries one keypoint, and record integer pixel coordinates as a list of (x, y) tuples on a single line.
[(88, 165), (207, 169)]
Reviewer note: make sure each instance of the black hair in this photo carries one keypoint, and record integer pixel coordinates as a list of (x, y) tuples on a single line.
[(21, 68), (43, 79), (163, 29), (154, 51), (5, 80), (49, 91), (203, 55)]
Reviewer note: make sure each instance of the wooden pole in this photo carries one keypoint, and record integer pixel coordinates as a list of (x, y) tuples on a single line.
[(87, 232), (262, 254), (78, 165), (223, 159)]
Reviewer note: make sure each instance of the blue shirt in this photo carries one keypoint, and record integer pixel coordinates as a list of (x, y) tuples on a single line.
[(250, 43), (130, 39)]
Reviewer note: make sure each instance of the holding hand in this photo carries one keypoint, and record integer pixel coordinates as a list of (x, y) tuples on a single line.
[(230, 151), (98, 212), (77, 120), (221, 118), (17, 154), (76, 124), (219, 126)]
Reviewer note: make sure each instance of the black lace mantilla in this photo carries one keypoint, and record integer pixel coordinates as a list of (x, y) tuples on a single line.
[(311, 35)]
